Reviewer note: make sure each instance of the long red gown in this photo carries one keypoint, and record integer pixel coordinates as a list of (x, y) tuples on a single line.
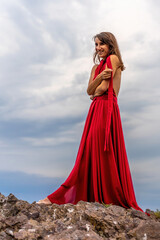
[(101, 172)]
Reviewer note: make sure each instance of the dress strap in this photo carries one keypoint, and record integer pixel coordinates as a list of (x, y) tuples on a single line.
[(110, 106)]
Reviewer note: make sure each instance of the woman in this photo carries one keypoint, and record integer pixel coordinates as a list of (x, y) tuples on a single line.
[(101, 172)]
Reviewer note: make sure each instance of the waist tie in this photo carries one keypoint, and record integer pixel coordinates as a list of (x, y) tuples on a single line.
[(111, 97), (108, 122), (111, 93), (110, 106)]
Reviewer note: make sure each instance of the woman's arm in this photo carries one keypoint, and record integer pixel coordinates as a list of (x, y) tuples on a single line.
[(101, 88), (92, 85), (105, 83)]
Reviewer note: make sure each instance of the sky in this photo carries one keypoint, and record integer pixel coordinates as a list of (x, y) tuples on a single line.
[(46, 56)]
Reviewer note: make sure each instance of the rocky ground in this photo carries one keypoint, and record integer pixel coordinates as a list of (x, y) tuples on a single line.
[(83, 221)]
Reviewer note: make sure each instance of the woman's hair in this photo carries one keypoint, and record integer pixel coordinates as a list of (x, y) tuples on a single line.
[(109, 39)]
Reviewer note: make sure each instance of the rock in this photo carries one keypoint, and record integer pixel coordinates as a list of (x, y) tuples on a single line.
[(11, 198), (2, 198), (138, 214), (83, 221), (148, 230), (9, 232)]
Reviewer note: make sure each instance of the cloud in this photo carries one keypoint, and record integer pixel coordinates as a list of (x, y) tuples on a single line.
[(62, 137)]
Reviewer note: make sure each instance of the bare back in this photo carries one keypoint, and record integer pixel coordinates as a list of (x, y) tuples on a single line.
[(117, 81)]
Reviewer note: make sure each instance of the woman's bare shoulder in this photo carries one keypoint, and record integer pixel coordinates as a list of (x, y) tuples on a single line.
[(94, 67), (114, 58), (115, 61), (92, 73)]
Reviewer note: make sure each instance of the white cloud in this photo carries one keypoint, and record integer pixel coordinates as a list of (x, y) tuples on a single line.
[(63, 137), (146, 171)]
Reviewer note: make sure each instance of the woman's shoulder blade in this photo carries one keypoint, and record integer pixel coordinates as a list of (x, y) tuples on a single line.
[(114, 57), (115, 60)]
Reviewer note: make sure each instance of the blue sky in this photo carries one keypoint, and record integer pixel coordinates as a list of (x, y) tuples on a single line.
[(46, 50)]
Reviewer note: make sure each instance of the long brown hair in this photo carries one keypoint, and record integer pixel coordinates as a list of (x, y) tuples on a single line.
[(109, 39)]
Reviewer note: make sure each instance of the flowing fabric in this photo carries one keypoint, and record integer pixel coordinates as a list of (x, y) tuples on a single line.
[(101, 171)]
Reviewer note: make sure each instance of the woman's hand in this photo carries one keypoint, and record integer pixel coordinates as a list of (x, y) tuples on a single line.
[(106, 74), (91, 97)]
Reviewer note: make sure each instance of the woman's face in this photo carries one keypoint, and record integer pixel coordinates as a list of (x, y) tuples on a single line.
[(101, 48)]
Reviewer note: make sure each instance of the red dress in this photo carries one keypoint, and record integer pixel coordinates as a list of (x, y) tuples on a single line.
[(101, 171)]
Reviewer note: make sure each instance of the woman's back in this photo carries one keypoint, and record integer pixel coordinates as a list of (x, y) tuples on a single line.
[(117, 81)]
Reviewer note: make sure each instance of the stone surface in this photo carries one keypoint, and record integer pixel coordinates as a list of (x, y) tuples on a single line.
[(83, 221)]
